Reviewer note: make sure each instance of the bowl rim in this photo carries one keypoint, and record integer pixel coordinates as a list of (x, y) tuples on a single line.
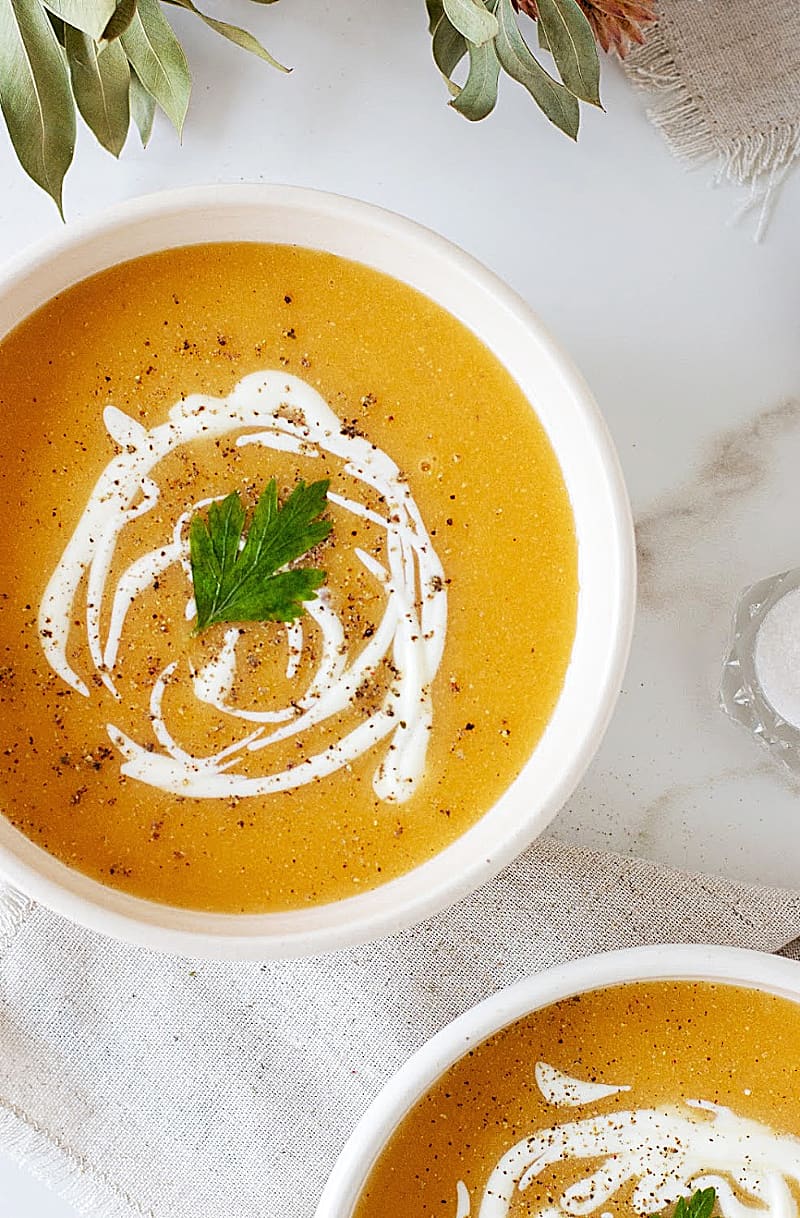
[(736, 966), (261, 936)]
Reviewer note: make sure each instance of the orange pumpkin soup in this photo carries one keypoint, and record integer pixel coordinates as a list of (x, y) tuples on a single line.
[(621, 1101), (260, 764)]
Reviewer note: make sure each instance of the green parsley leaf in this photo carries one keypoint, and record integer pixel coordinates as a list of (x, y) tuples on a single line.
[(699, 1205), (246, 583)]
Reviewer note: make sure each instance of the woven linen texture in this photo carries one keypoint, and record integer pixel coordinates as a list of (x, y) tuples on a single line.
[(725, 79), (139, 1084)]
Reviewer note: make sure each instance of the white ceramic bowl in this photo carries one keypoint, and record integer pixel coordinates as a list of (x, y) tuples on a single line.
[(753, 970), (605, 540)]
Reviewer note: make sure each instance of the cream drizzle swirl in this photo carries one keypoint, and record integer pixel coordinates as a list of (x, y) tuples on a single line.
[(664, 1152), (284, 413)]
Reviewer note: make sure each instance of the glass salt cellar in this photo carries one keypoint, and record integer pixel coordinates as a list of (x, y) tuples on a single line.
[(761, 675)]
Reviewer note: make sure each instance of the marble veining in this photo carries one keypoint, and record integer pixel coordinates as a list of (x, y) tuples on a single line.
[(674, 779)]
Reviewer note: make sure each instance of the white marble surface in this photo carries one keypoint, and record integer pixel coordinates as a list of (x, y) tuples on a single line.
[(688, 332)]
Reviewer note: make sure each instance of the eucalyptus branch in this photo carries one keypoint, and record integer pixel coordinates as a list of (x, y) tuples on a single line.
[(112, 61), (115, 62)]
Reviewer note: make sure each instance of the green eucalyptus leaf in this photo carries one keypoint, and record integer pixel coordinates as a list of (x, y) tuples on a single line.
[(472, 19), (158, 60), (121, 18), (143, 109), (233, 33), (449, 48), (479, 95), (58, 27), (101, 82), (35, 94), (435, 10), (571, 41), (517, 59), (91, 16), (543, 43)]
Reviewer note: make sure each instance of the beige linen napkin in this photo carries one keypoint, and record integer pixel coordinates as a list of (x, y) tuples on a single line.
[(137, 1084), (726, 78)]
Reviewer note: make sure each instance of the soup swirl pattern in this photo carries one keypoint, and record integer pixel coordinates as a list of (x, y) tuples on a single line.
[(665, 1153), (277, 412)]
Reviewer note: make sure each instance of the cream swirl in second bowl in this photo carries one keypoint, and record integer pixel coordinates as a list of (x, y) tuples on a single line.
[(614, 1085)]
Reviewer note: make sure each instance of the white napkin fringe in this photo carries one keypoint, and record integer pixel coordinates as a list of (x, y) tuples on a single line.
[(73, 1178), (759, 159)]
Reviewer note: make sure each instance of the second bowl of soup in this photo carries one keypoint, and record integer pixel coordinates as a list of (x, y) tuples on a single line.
[(320, 583), (623, 1084)]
